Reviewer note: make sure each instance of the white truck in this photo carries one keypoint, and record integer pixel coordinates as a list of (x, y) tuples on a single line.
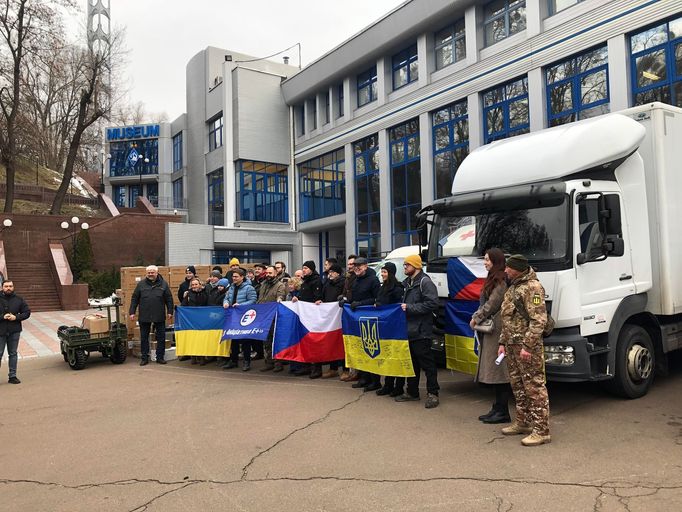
[(595, 207)]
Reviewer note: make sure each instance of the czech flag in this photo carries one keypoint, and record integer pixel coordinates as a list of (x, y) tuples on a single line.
[(466, 276), (308, 333), (198, 331)]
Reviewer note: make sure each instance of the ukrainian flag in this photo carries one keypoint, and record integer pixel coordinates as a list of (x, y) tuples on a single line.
[(375, 340), (198, 331)]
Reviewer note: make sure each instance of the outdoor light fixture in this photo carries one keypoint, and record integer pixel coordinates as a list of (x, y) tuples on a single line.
[(74, 229), (7, 223)]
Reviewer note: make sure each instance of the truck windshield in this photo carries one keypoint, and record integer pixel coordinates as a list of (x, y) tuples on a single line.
[(541, 234)]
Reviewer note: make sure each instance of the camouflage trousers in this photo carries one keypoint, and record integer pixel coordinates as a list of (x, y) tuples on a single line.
[(527, 379)]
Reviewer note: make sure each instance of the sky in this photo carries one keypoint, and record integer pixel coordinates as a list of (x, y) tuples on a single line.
[(162, 36)]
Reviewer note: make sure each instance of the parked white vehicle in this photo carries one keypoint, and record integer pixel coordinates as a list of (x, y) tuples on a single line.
[(396, 256)]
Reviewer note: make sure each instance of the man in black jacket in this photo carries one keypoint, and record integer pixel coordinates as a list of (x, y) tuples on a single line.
[(420, 302), (156, 304), (14, 310), (190, 273)]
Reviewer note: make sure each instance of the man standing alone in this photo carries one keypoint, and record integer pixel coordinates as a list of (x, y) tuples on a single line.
[(524, 317), (14, 310), (156, 305)]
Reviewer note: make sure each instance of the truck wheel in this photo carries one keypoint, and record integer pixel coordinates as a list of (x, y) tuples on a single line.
[(77, 359), (635, 362), (120, 352)]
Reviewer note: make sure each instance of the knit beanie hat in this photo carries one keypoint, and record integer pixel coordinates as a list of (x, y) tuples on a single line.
[(390, 268), (415, 260), (216, 273), (191, 269), (310, 264), (336, 268), (223, 282), (518, 262), (234, 261)]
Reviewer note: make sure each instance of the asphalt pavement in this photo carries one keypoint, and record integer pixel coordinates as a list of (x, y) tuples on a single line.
[(180, 437)]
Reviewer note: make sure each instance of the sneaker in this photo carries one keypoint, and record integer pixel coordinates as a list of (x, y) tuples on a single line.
[(536, 439), (385, 391), (432, 401), (359, 384), (14, 380), (230, 365), (395, 393), (161, 361), (407, 398), (278, 368), (372, 387), (330, 374), (267, 368), (516, 429), (246, 367), (344, 376), (353, 378), (144, 362)]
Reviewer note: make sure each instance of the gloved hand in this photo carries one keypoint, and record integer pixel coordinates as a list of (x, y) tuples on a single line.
[(354, 305), (342, 302)]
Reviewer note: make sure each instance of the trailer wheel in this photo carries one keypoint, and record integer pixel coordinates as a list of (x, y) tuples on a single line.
[(63, 349), (77, 359), (635, 362), (120, 352)]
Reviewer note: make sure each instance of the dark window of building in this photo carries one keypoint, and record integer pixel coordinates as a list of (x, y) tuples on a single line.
[(262, 191), (367, 197), (578, 87), (216, 198), (134, 158), (153, 194), (450, 144), (177, 152), (339, 93), (503, 18), (223, 256), (119, 193), (300, 120), (178, 194), (405, 182), (313, 104), (405, 67), (656, 63), (327, 108), (135, 192), (505, 110), (215, 133), (322, 185), (450, 45), (367, 86)]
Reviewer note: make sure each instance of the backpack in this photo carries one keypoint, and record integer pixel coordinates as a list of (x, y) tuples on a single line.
[(549, 326)]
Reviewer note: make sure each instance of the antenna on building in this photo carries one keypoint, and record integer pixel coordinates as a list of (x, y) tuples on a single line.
[(286, 59)]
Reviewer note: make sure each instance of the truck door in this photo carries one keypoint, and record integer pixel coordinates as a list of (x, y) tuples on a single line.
[(604, 278)]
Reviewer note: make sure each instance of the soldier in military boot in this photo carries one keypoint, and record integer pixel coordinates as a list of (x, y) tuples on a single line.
[(524, 317)]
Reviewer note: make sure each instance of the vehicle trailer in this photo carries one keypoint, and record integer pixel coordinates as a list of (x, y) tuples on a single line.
[(594, 206)]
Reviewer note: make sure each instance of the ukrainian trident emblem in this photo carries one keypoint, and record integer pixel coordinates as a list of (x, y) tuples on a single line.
[(369, 329)]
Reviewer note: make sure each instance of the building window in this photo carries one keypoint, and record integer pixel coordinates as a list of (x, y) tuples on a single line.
[(216, 198), (262, 191), (450, 144), (178, 194), (405, 67), (223, 256), (215, 133), (368, 223), (153, 194), (503, 18), (119, 193), (135, 192), (340, 96), (577, 88), (405, 182), (327, 108), (367, 86), (559, 5), (656, 62), (505, 110), (177, 152), (322, 183), (300, 119), (134, 158), (450, 45), (314, 109)]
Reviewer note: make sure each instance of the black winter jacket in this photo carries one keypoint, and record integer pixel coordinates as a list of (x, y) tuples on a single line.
[(365, 288), (14, 304), (199, 298), (214, 297), (332, 289), (392, 296), (311, 288), (182, 289), (421, 297), (154, 299)]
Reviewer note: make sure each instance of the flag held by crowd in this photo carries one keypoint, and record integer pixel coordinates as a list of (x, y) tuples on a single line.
[(308, 333), (198, 331), (375, 339), (466, 276), (249, 322)]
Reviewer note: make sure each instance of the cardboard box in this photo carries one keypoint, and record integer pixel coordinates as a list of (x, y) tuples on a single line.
[(96, 324)]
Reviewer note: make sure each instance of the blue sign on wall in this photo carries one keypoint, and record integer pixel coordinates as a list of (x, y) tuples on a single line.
[(133, 132)]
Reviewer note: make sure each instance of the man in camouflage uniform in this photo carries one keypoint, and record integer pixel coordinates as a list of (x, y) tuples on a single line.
[(524, 317)]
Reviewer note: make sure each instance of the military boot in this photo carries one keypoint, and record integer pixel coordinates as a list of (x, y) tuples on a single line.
[(536, 439), (516, 429)]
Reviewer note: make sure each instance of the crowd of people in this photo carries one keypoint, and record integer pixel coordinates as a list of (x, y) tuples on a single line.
[(509, 325)]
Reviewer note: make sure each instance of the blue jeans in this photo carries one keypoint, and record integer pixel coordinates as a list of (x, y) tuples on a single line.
[(160, 328), (12, 342)]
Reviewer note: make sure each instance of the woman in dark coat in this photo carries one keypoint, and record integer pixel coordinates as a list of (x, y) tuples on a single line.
[(391, 292), (195, 296), (488, 372)]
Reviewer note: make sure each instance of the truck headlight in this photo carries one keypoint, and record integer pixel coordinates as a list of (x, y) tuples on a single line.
[(559, 354)]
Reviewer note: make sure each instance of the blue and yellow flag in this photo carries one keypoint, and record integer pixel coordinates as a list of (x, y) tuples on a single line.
[(198, 331), (375, 340)]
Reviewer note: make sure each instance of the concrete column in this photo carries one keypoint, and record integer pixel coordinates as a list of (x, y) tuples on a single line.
[(425, 60), (620, 92), (347, 100), (533, 17), (227, 151), (385, 192), (536, 99), (350, 200), (426, 158), (475, 121), (384, 82), (474, 37)]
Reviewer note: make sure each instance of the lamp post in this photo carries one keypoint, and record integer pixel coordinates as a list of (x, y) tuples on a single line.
[(74, 229), (146, 161)]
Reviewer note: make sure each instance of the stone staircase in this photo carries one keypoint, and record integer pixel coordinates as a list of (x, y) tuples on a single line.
[(34, 282)]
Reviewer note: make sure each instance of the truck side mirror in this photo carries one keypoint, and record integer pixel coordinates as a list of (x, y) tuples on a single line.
[(612, 217), (422, 229), (615, 246)]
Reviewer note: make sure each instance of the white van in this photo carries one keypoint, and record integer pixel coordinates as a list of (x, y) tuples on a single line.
[(396, 256)]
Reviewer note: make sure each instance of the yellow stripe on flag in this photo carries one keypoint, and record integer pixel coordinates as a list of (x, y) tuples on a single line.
[(201, 343), (393, 359), (460, 355)]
